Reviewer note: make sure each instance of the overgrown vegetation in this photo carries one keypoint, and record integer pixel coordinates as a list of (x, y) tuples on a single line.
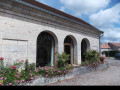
[(10, 75), (92, 59), (62, 59), (110, 53)]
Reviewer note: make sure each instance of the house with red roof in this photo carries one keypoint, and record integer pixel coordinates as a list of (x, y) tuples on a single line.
[(111, 46), (114, 46), (105, 47)]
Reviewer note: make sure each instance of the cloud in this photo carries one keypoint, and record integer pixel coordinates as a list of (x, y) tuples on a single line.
[(106, 20), (62, 9), (111, 35), (106, 17), (79, 7), (95, 12)]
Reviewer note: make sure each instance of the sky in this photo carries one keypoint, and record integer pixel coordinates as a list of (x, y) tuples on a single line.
[(103, 14)]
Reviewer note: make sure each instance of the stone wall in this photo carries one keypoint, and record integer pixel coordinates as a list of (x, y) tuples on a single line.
[(19, 30), (40, 81), (14, 31)]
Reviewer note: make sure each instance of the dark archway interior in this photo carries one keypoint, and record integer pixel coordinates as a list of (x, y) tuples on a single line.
[(68, 48), (68, 51), (68, 40), (83, 49), (45, 44)]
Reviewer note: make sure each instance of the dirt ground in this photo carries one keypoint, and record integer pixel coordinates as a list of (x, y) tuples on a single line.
[(110, 76)]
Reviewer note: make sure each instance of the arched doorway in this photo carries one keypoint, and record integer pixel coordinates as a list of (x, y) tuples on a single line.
[(69, 49), (85, 46), (45, 50)]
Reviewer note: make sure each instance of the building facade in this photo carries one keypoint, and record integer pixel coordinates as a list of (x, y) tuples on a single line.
[(34, 31), (105, 47), (114, 46)]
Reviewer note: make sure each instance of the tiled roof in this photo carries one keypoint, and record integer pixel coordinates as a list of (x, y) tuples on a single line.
[(41, 5), (105, 46), (115, 44)]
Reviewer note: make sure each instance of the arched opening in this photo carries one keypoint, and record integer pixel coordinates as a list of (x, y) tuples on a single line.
[(85, 47), (69, 49), (45, 50)]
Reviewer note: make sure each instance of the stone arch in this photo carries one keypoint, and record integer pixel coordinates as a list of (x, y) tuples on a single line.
[(85, 47), (47, 45), (73, 48)]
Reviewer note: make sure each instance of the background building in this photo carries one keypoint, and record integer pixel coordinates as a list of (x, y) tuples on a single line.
[(105, 47), (114, 46)]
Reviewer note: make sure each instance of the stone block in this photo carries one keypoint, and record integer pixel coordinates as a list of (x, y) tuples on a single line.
[(0, 54), (22, 55), (0, 41), (32, 42), (9, 54), (32, 48), (32, 59), (32, 54), (22, 48), (0, 48), (9, 42), (23, 43), (10, 48)]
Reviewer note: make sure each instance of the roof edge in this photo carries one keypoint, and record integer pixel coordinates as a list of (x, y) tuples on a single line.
[(49, 8)]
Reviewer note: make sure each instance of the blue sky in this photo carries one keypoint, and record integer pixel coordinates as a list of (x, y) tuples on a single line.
[(103, 14)]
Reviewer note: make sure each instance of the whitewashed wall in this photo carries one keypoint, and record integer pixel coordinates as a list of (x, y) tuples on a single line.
[(18, 39)]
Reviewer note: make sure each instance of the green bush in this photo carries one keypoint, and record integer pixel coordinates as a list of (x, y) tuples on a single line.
[(32, 66), (1, 66), (10, 75), (85, 63), (9, 72), (92, 59), (50, 72), (62, 59), (110, 53), (26, 65), (92, 55), (101, 58), (29, 67)]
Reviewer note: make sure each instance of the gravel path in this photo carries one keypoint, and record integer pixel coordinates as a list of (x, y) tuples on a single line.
[(111, 76)]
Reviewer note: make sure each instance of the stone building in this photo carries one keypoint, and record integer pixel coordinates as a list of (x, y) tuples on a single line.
[(34, 31)]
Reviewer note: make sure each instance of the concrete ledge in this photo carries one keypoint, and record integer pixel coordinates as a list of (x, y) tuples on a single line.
[(83, 70), (40, 81)]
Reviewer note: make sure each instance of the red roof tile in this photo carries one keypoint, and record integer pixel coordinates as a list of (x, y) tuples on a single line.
[(115, 44), (105, 46)]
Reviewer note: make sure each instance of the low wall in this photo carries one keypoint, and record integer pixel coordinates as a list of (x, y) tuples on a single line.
[(40, 81), (83, 70)]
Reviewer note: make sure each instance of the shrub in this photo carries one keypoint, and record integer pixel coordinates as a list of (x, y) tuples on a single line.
[(32, 66), (92, 59), (29, 67), (103, 55), (10, 75), (18, 64), (1, 64), (101, 58), (92, 55), (110, 53), (62, 59), (51, 72), (85, 63), (26, 65)]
